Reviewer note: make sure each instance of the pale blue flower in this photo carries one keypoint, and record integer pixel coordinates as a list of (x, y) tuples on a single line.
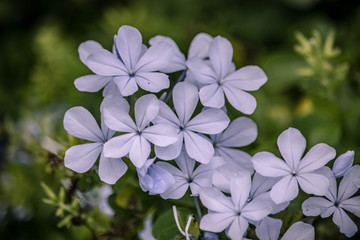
[(79, 123), (232, 213), (219, 77), (240, 132), (146, 233), (137, 135), (343, 163), (294, 170), (134, 65), (269, 229), (186, 176), (210, 121), (337, 201), (154, 178), (97, 197)]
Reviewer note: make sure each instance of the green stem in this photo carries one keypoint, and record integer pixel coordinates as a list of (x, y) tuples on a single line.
[(198, 207)]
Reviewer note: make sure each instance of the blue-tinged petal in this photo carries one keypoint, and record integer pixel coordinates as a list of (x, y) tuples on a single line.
[(221, 178), (80, 158), (152, 81), (258, 208), (116, 118), (343, 163), (317, 157), (212, 96), (201, 71), (176, 190), (348, 186), (269, 229), (248, 78), (140, 151), (119, 146), (240, 188), (216, 222), (239, 99), (352, 205), (206, 170), (241, 132), (331, 194), (155, 58), (111, 169), (185, 163), (111, 89), (199, 46), (220, 54), (268, 165), (237, 228), (198, 147), (171, 151), (235, 158), (261, 184), (209, 121), (216, 201), (315, 206), (91, 83), (116, 103), (286, 189), (146, 109), (79, 123), (166, 115), (199, 183), (313, 183), (344, 222), (104, 63), (328, 212), (300, 231), (107, 132), (292, 145), (177, 62), (88, 47), (161, 178), (128, 45), (160, 135), (127, 85), (185, 99)]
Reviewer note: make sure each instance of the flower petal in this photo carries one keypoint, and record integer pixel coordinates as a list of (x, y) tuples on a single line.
[(140, 151), (347, 185), (91, 83), (128, 45), (239, 99), (116, 102), (80, 158), (215, 201), (176, 190), (331, 194), (300, 231), (111, 169), (344, 222), (261, 184), (104, 63), (269, 229), (216, 222), (222, 175), (166, 115), (146, 109), (268, 165), (292, 145), (240, 188), (152, 81), (352, 205), (235, 157), (343, 163), (284, 190), (88, 47), (248, 78), (119, 146), (317, 157), (155, 58), (199, 46), (201, 71), (315, 206), (127, 85), (220, 54), (313, 183), (209, 121), (116, 118), (237, 228), (79, 123), (258, 208), (241, 132), (212, 96), (198, 147), (171, 151), (185, 99), (160, 135), (185, 163)]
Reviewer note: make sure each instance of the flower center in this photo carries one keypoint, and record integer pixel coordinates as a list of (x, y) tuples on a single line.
[(181, 127), (294, 173)]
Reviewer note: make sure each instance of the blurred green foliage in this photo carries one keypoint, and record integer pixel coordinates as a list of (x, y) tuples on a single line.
[(315, 88)]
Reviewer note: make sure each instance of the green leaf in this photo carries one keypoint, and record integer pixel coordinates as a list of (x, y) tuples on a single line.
[(164, 227), (48, 191)]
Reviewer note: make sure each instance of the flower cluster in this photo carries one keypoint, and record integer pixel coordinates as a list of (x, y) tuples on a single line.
[(194, 129)]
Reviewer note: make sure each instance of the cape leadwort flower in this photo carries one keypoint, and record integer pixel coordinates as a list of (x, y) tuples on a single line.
[(79, 123), (220, 77), (134, 65), (343, 163), (294, 170), (186, 176), (209, 121), (232, 213), (138, 135), (337, 201)]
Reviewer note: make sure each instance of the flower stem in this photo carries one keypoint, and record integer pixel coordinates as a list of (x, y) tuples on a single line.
[(198, 207)]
